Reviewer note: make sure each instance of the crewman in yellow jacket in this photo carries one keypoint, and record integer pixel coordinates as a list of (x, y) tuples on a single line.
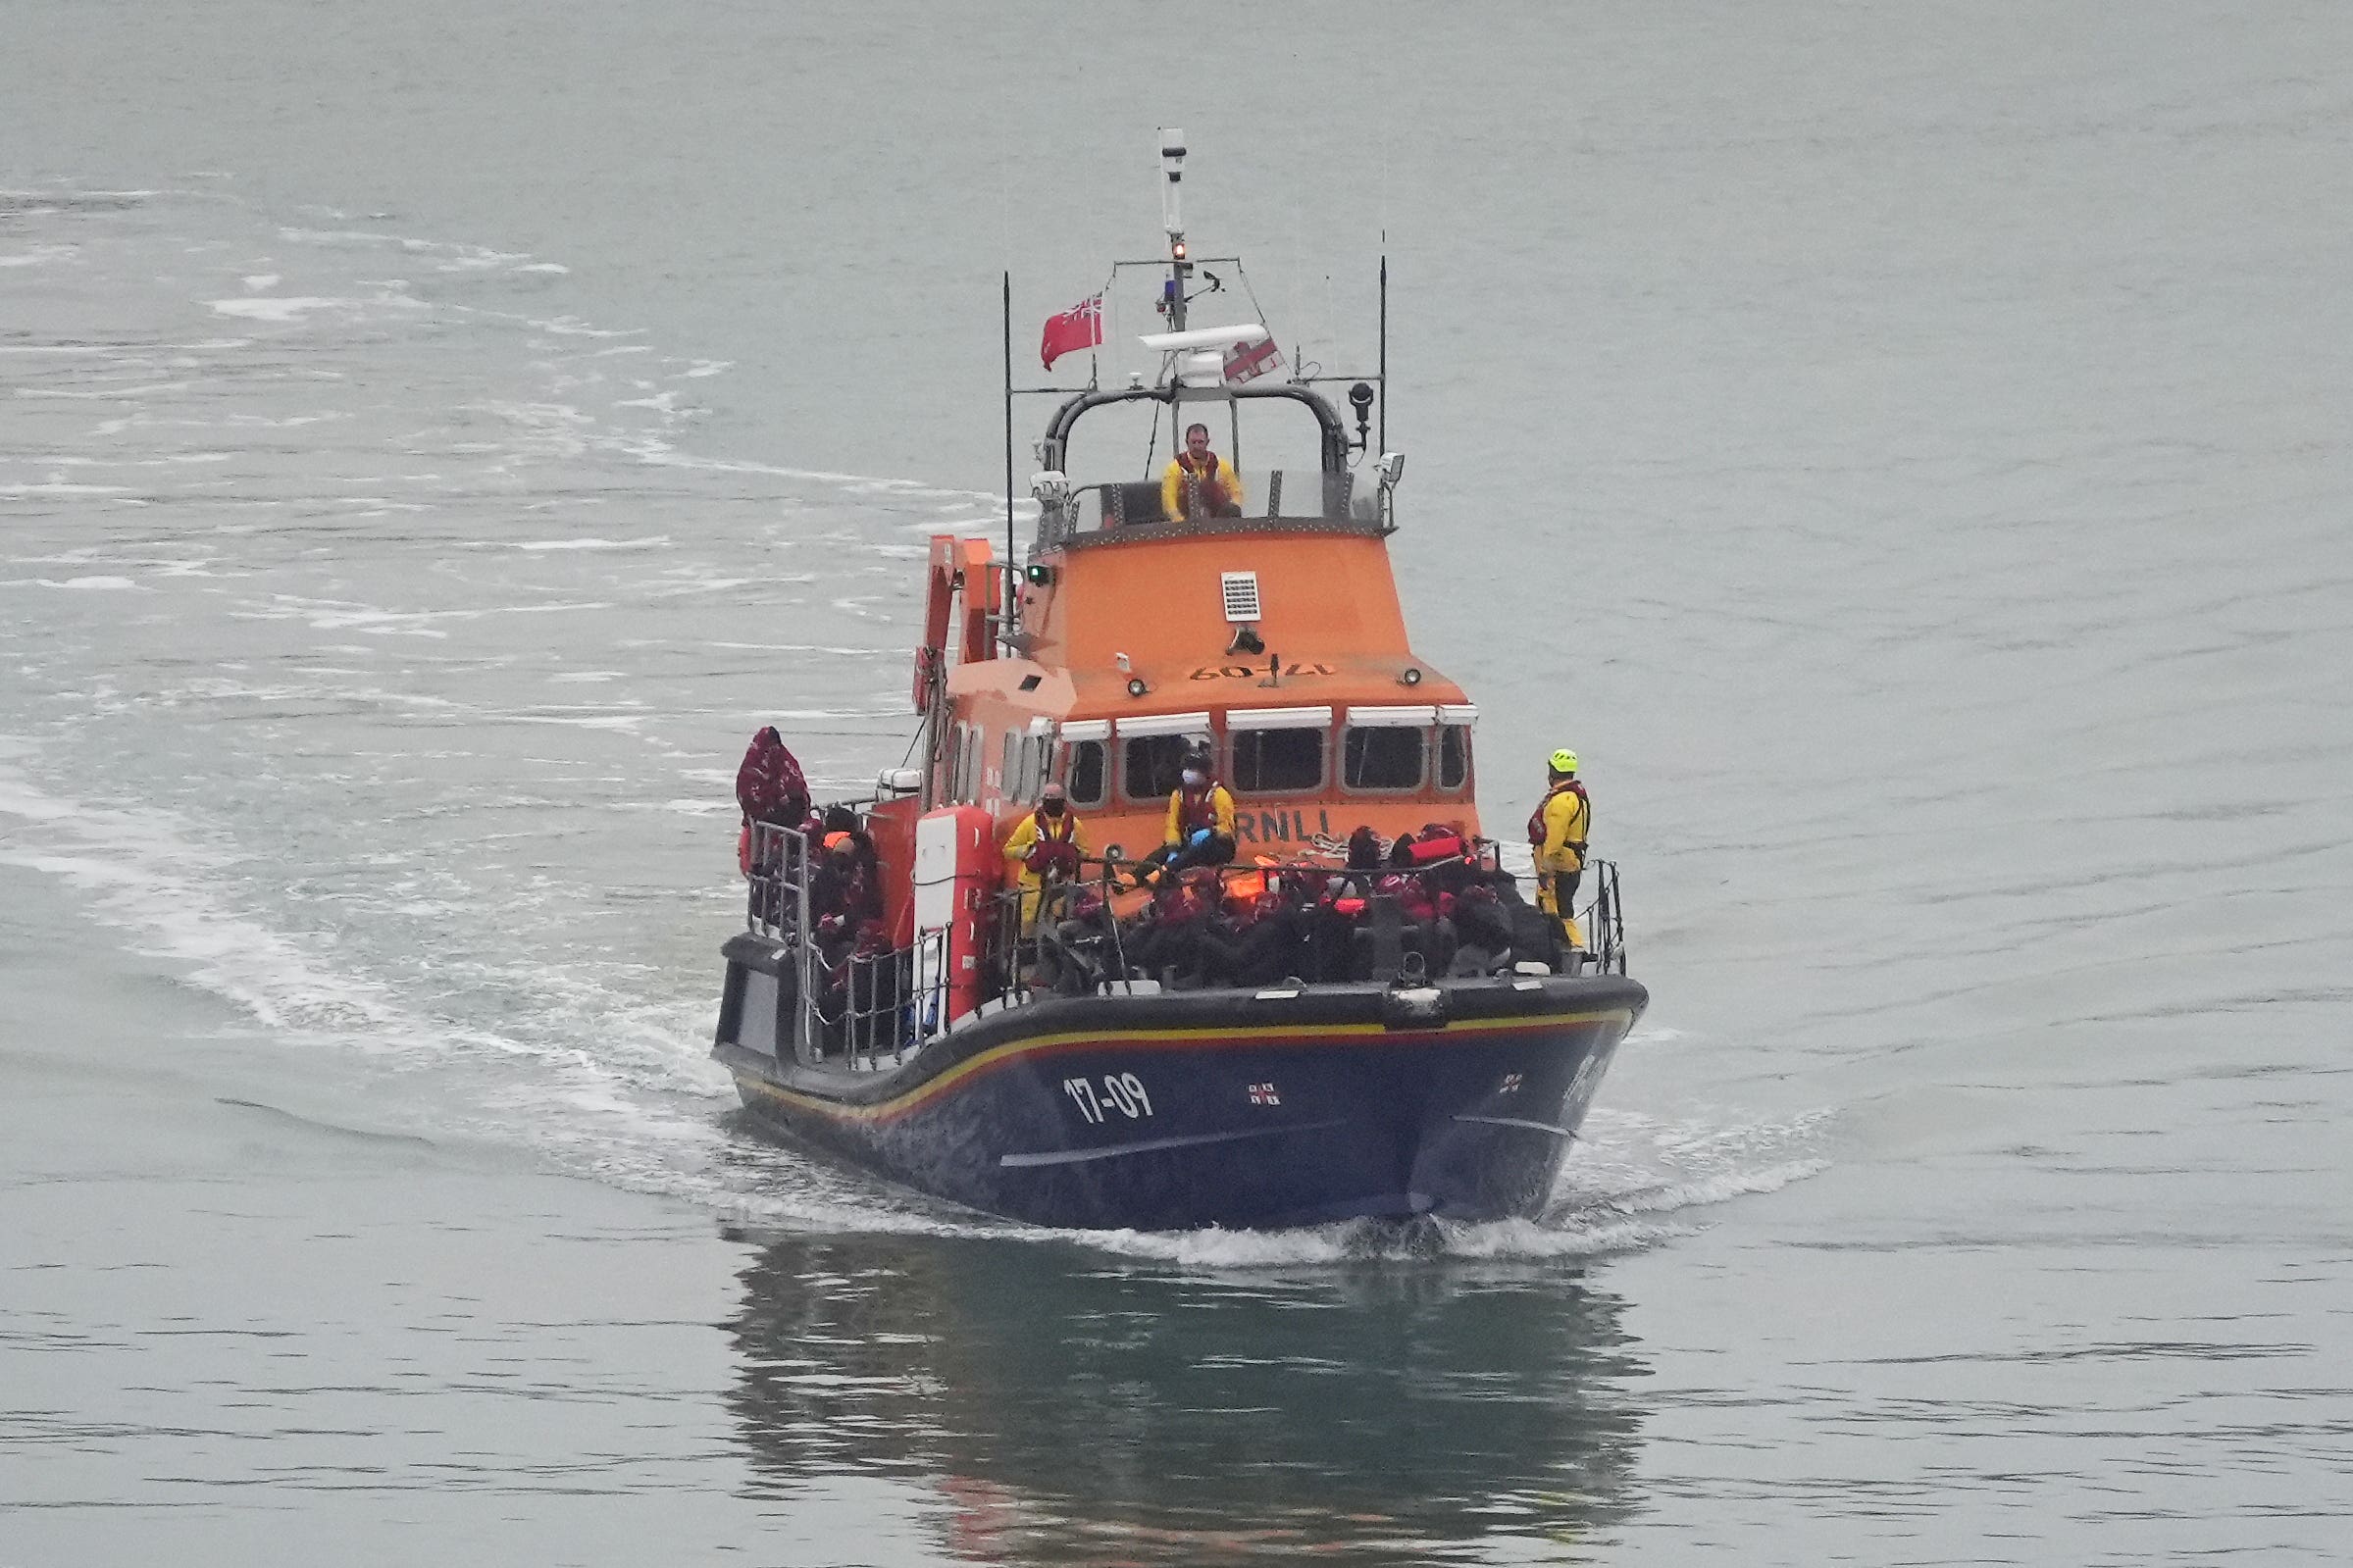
[(1557, 832), (1045, 843), (1200, 822), (1198, 482)]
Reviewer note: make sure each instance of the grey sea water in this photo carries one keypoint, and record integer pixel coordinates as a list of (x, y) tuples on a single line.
[(1903, 451)]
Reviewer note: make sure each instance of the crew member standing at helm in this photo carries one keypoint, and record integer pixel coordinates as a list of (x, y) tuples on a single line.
[(1200, 821), (1557, 832), (1198, 482)]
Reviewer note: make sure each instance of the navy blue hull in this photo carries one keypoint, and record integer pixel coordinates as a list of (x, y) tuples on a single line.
[(1226, 1108)]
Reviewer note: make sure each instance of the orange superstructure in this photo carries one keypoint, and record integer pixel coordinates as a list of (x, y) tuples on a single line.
[(1278, 640)]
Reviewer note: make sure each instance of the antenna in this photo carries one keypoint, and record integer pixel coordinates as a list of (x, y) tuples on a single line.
[(1172, 164), (1172, 219)]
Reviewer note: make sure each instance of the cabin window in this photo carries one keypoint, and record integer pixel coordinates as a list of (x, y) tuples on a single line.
[(1151, 767), (1009, 766), (1083, 773), (1277, 761), (1382, 758), (1454, 756)]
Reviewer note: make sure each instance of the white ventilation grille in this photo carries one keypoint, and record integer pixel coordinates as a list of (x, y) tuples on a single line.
[(1241, 594)]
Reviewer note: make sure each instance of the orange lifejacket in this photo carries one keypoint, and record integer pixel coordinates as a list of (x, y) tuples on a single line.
[(1443, 845), (1204, 489)]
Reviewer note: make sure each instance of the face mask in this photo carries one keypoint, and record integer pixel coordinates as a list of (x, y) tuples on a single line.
[(1053, 808), (1193, 777)]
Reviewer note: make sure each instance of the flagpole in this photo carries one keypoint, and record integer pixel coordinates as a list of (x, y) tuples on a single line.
[(1384, 352)]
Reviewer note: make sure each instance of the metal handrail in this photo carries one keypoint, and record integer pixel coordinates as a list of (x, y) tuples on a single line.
[(1605, 919), (873, 1008), (891, 1002)]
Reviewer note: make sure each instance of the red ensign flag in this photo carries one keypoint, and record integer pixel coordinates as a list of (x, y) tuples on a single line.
[(1080, 326)]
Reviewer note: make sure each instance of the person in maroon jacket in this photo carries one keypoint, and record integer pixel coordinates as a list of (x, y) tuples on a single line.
[(769, 784), (772, 790)]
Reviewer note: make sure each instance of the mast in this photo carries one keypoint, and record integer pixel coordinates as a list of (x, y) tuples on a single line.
[(1172, 164)]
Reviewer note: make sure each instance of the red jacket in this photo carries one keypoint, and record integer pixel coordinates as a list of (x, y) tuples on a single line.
[(769, 784)]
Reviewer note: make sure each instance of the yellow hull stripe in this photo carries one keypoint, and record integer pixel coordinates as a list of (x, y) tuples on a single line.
[(1231, 1035)]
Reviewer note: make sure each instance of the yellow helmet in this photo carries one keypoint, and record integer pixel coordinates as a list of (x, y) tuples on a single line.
[(1565, 761)]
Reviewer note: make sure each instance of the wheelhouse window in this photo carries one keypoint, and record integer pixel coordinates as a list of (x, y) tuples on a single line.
[(1083, 773), (1383, 758), (1454, 756), (1268, 762), (1151, 766)]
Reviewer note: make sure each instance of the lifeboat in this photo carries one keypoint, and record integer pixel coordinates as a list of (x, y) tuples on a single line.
[(1019, 1053)]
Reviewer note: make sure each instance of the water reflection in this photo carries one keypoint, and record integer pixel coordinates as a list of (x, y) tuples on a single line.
[(1067, 1408)]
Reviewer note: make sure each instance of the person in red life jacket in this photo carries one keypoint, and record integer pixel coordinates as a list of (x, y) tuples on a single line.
[(1338, 910), (1044, 847), (1077, 953), (845, 819), (1198, 482), (841, 898), (1557, 832), (1424, 916), (1166, 945), (1200, 822), (1483, 933), (1267, 945)]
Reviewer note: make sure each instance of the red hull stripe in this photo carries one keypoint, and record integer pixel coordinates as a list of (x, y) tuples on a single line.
[(1230, 1038)]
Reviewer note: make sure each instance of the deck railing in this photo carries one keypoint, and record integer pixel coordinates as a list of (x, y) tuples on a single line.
[(1049, 957), (869, 1008), (1604, 921)]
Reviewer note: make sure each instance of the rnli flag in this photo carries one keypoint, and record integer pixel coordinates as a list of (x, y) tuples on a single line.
[(1080, 326), (1248, 360)]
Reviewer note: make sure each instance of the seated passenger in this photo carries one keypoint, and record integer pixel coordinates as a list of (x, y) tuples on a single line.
[(1197, 483), (1425, 919), (1200, 831), (1166, 943), (1333, 922), (1266, 946), (841, 898), (845, 819), (1075, 953), (1483, 931)]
